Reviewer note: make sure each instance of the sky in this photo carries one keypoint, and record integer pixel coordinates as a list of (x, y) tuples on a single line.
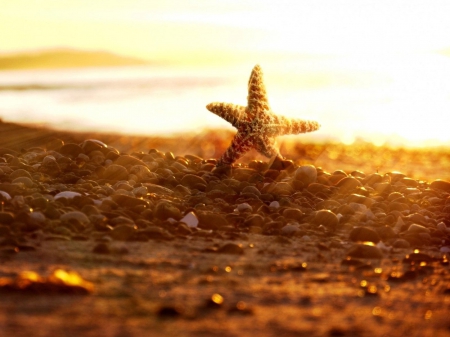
[(397, 51), (218, 31)]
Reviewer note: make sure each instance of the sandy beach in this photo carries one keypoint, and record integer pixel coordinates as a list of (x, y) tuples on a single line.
[(118, 235)]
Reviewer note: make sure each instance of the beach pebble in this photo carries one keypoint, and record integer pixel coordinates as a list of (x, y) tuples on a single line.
[(231, 248), (67, 195), (36, 219), (326, 218), (348, 185), (440, 185), (401, 243), (244, 207), (101, 248), (71, 149), (19, 173), (210, 220), (115, 172), (274, 204), (128, 161), (122, 232), (75, 216), (415, 228), (27, 182), (6, 218), (306, 174), (193, 181), (290, 230), (165, 210), (4, 195), (190, 220), (363, 251), (364, 234)]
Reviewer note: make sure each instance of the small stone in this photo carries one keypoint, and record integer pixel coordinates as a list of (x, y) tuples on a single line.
[(348, 185), (293, 213), (244, 207), (231, 248), (70, 149), (122, 232), (365, 252), (290, 230), (251, 189), (6, 218), (36, 219), (364, 234), (209, 220), (101, 248), (155, 233), (415, 228), (19, 173), (192, 181), (401, 243), (274, 204), (128, 201), (115, 172), (440, 185), (4, 196), (152, 188), (326, 218), (75, 216), (27, 182), (306, 174), (67, 195), (165, 210), (127, 161), (190, 220)]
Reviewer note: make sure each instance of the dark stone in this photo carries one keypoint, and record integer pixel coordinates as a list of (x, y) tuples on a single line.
[(364, 234), (365, 252)]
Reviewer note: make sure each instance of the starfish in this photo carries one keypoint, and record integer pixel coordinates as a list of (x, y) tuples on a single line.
[(256, 124)]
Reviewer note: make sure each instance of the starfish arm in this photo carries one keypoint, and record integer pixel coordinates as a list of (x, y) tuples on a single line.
[(282, 125), (266, 146), (257, 96), (230, 112), (240, 144)]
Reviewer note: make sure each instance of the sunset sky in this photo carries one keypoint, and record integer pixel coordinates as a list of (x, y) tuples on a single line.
[(219, 31), (380, 65)]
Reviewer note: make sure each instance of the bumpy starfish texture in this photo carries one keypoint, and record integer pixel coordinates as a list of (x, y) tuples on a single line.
[(256, 124)]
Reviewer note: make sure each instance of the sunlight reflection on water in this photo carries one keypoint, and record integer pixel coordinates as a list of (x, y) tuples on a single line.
[(394, 105)]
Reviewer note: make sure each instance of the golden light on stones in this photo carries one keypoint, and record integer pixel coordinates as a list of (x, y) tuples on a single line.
[(217, 299), (60, 281)]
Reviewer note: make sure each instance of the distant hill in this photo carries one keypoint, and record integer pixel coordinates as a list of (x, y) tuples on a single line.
[(66, 58)]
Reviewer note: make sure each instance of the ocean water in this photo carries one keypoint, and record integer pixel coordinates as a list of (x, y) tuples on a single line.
[(383, 102)]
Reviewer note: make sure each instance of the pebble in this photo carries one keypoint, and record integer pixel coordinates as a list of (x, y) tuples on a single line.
[(67, 195), (190, 220), (231, 248), (75, 216), (363, 251), (122, 232), (326, 218), (441, 185), (115, 172), (364, 234), (415, 228), (164, 210), (306, 174)]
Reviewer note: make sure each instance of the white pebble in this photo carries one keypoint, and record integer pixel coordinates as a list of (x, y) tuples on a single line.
[(274, 204), (190, 219), (67, 195), (5, 195), (244, 207)]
